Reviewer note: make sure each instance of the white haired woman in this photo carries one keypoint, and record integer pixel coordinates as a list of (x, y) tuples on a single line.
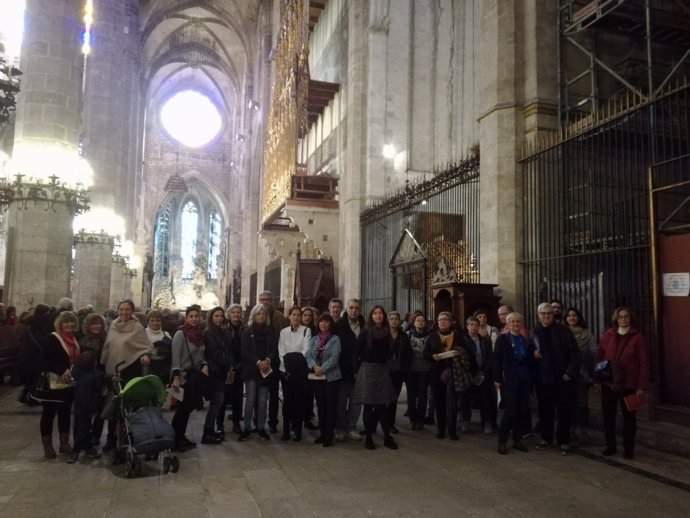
[(260, 363)]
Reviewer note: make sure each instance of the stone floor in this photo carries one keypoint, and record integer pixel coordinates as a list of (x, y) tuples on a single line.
[(426, 477)]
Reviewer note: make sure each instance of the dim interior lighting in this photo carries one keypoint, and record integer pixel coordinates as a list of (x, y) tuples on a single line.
[(423, 202), (389, 151), (253, 105)]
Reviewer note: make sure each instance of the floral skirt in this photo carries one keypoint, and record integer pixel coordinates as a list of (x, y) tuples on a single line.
[(374, 385)]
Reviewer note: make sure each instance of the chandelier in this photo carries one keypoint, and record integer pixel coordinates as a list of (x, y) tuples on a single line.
[(9, 87)]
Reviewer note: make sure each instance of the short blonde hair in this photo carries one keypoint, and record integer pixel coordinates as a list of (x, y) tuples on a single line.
[(63, 318)]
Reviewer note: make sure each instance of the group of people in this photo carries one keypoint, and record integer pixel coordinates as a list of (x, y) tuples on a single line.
[(349, 365)]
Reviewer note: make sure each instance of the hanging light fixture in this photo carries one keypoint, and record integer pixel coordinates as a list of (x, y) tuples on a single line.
[(9, 87)]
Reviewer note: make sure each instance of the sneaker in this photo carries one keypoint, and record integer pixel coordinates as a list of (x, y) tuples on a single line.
[(92, 453), (73, 457), (209, 438), (520, 446), (340, 437), (543, 445), (263, 435), (565, 449), (244, 435), (354, 435), (220, 434)]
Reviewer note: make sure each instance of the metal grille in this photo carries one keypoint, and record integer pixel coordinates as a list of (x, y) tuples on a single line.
[(586, 212), (442, 215)]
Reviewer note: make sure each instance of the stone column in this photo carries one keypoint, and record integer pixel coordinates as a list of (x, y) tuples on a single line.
[(47, 125), (93, 260), (352, 182), (500, 134), (117, 274)]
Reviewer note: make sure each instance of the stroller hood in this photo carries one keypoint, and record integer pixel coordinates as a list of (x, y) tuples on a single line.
[(144, 391)]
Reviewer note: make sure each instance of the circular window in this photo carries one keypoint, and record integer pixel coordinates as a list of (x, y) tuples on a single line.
[(191, 118)]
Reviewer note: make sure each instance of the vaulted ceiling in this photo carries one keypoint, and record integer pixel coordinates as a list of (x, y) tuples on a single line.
[(207, 45)]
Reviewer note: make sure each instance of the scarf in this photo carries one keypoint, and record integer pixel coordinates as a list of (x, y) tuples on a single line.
[(323, 339), (125, 342), (193, 334), (583, 337), (70, 341)]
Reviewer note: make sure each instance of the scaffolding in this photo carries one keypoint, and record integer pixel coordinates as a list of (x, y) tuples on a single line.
[(616, 50)]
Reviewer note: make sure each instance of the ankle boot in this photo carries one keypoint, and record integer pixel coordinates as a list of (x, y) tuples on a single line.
[(64, 444), (48, 449)]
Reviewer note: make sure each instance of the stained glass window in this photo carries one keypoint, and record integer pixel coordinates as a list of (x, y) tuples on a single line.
[(189, 230)]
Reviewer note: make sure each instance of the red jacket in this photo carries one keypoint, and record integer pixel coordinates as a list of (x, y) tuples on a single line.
[(633, 363)]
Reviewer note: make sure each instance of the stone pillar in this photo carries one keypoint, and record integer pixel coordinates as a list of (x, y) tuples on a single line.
[(117, 274), (93, 262), (39, 250), (353, 179), (501, 133)]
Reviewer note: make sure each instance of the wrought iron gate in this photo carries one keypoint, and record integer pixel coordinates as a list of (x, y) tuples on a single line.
[(586, 210), (442, 217)]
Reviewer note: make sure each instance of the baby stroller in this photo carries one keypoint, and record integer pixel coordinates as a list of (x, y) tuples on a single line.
[(142, 430)]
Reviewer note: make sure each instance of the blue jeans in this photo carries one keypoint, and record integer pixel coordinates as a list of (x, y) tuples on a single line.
[(255, 394), (348, 409), (215, 405)]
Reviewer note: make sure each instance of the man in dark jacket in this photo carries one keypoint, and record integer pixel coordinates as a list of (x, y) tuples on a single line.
[(348, 329), (557, 364)]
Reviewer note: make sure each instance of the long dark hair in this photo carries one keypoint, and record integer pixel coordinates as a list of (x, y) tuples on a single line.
[(370, 319), (209, 317), (580, 319)]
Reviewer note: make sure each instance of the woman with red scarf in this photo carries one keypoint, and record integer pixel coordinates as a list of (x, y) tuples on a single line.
[(60, 353), (322, 359), (189, 371)]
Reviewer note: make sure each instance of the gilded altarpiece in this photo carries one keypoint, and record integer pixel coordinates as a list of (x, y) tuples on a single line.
[(287, 120)]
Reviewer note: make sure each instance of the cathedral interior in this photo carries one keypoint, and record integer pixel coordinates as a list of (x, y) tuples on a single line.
[(202, 151)]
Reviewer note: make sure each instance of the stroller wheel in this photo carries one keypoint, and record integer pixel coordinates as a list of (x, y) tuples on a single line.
[(166, 464), (129, 469), (175, 467), (138, 466)]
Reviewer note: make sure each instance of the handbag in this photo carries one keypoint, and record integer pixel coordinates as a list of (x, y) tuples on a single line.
[(50, 388)]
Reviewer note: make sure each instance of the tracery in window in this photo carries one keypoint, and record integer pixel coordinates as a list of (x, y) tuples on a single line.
[(161, 242), (214, 237), (189, 227)]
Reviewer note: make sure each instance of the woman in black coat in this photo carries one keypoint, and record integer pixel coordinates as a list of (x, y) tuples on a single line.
[(234, 392), (513, 371), (60, 352), (219, 357), (260, 364)]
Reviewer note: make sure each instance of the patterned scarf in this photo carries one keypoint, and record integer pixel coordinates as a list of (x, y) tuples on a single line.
[(193, 334)]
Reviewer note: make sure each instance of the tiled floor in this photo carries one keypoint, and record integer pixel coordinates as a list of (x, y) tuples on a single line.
[(426, 477)]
